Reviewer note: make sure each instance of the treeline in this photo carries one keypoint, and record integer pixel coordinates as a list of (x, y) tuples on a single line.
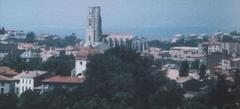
[(122, 79), (60, 65)]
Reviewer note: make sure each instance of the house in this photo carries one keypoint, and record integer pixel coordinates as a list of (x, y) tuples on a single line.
[(186, 53), (81, 60), (29, 54), (7, 72), (29, 80), (66, 82), (158, 53), (6, 85)]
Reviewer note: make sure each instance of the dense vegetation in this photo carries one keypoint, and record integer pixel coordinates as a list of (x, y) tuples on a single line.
[(59, 42), (122, 79), (61, 65)]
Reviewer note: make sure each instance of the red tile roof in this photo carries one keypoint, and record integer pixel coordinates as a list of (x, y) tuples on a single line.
[(3, 78), (6, 71), (64, 79)]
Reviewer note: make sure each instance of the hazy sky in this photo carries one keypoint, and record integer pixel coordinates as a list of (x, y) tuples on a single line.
[(67, 16)]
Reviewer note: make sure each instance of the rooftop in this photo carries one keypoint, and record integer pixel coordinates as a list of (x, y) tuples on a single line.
[(64, 79), (85, 52), (185, 48), (7, 71), (3, 78), (30, 74)]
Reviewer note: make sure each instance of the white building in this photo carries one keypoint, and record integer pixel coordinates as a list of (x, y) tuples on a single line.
[(6, 85), (28, 54), (28, 80), (186, 53), (231, 47), (214, 47), (81, 60)]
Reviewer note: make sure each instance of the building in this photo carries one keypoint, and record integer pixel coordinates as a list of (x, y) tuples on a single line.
[(81, 60), (28, 54), (177, 38), (7, 72), (186, 53), (6, 85), (29, 80), (231, 47), (69, 83), (94, 26), (94, 36), (140, 44)]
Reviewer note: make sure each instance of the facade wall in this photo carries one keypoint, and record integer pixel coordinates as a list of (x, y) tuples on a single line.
[(94, 26), (6, 87), (24, 84), (80, 67), (182, 54)]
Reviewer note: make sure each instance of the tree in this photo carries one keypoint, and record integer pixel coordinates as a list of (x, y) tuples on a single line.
[(184, 69), (61, 65), (202, 71), (8, 101), (121, 78), (57, 99), (14, 61), (30, 100), (30, 38), (169, 96), (195, 65)]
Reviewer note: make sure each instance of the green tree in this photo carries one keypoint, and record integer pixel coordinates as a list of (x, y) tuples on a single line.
[(184, 69), (30, 100), (124, 79), (61, 65), (195, 64), (30, 38), (202, 72), (57, 99), (8, 101)]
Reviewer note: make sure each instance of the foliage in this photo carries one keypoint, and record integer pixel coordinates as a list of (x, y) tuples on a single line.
[(8, 101), (123, 76), (29, 100), (30, 38), (2, 31), (61, 65), (14, 61), (195, 65), (184, 69), (60, 42), (202, 71)]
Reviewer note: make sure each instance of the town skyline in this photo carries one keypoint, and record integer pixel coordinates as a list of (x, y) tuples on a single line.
[(156, 19)]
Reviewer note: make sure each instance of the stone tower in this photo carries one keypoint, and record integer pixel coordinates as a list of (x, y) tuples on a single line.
[(94, 26)]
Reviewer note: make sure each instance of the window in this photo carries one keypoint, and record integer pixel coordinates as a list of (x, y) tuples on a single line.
[(81, 62), (2, 84), (2, 90), (89, 22), (22, 80), (30, 81), (17, 90), (22, 89)]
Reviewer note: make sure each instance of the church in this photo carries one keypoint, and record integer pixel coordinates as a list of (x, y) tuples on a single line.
[(97, 42)]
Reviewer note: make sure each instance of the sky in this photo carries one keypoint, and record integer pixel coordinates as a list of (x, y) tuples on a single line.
[(149, 18)]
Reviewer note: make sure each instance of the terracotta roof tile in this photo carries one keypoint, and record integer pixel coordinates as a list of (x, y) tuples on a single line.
[(3, 78), (64, 79), (6, 71)]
